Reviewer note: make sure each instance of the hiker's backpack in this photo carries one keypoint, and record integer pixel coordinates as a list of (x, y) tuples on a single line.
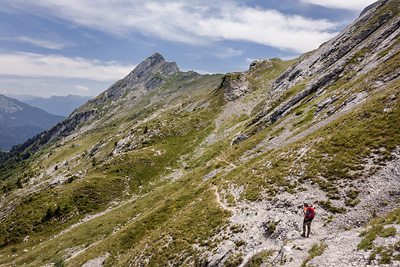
[(310, 213)]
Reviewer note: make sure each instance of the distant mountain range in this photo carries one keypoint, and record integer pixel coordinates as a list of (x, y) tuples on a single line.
[(20, 121), (58, 105)]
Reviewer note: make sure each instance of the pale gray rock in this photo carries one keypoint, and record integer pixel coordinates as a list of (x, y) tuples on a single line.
[(98, 262), (235, 85), (150, 74)]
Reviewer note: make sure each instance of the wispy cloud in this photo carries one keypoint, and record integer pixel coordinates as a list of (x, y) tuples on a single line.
[(43, 42), (357, 5), (37, 65), (81, 87), (192, 22), (227, 52)]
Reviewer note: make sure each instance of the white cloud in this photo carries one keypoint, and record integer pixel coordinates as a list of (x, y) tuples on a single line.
[(81, 87), (192, 21), (250, 60), (37, 65), (48, 86), (269, 27), (228, 52), (40, 42), (357, 5)]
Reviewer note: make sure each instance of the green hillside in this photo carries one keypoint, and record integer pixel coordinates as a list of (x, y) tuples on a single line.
[(171, 168)]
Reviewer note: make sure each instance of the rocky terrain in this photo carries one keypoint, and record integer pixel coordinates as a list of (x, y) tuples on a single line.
[(171, 168)]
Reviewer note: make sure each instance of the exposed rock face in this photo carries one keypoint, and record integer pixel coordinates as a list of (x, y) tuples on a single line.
[(148, 74), (356, 50), (334, 56), (235, 85), (368, 8), (67, 126)]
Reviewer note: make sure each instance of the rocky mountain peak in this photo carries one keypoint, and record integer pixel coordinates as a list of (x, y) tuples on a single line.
[(152, 65), (149, 74)]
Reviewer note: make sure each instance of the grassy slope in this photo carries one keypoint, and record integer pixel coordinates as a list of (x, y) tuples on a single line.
[(135, 172), (173, 216), (44, 213)]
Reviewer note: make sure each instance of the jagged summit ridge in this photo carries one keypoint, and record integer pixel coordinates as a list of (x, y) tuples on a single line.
[(144, 76), (153, 64)]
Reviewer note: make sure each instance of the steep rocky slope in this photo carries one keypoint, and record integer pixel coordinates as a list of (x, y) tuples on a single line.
[(168, 168)]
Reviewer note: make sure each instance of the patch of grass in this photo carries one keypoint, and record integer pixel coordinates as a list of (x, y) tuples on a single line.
[(386, 232), (271, 227), (371, 234), (315, 251), (392, 218), (159, 76), (383, 255), (351, 199), (260, 259), (234, 260), (329, 220), (299, 112), (309, 117), (262, 75), (240, 243), (368, 241), (59, 261), (327, 205)]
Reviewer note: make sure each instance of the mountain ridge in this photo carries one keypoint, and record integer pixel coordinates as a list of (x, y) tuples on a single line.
[(20, 121), (59, 105)]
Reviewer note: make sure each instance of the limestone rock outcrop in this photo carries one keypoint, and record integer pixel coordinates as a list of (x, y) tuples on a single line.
[(235, 85)]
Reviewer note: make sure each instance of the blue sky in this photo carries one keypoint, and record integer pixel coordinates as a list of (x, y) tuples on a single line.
[(61, 47)]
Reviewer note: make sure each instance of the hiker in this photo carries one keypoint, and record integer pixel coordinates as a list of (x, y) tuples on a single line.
[(309, 213)]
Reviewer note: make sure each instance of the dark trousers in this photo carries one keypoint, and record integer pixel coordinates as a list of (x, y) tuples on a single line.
[(307, 226)]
